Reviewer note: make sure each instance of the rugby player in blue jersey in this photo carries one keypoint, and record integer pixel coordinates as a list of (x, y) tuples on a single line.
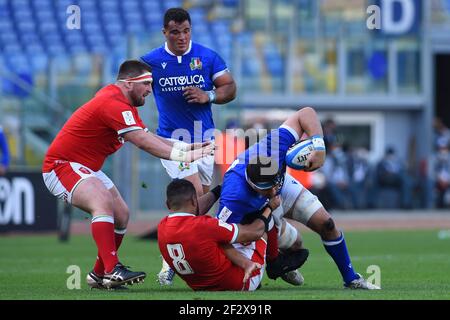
[(187, 79), (259, 174)]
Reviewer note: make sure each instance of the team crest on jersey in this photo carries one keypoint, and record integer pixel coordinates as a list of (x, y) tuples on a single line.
[(196, 63)]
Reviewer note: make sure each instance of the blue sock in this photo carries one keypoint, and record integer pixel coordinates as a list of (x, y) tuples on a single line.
[(337, 249)]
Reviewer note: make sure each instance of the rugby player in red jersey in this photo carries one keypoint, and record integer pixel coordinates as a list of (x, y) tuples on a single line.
[(198, 247), (72, 165)]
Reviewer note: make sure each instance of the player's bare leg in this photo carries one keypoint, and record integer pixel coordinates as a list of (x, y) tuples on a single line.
[(91, 196), (334, 243)]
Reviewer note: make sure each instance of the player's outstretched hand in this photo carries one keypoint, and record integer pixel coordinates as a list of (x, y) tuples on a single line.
[(196, 154), (195, 95), (198, 145), (315, 160), (249, 268)]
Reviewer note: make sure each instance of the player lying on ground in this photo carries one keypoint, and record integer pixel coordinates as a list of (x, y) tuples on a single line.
[(72, 165), (260, 172), (198, 247)]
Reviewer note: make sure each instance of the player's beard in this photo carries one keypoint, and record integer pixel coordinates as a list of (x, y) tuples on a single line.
[(137, 100)]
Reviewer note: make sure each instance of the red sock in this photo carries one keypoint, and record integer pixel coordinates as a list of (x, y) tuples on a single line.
[(103, 233), (118, 237), (99, 267), (272, 244)]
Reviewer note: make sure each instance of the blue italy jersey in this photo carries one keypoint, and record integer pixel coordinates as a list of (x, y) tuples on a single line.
[(199, 67), (237, 198)]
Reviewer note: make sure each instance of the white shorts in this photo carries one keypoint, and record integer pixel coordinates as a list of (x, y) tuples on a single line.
[(256, 252), (290, 192), (66, 176), (179, 170)]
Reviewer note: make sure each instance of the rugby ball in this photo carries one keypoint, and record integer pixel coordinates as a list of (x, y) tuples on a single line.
[(298, 153)]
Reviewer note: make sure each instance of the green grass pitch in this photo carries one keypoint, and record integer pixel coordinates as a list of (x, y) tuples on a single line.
[(413, 264)]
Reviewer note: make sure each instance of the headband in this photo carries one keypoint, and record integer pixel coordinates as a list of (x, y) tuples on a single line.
[(147, 76)]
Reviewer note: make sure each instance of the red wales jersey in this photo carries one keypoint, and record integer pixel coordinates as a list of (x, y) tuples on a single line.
[(94, 131), (191, 246)]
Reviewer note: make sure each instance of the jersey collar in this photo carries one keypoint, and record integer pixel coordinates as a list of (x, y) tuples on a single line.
[(181, 214), (166, 47)]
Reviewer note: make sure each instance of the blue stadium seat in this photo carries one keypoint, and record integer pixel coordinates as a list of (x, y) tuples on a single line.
[(99, 48), (87, 5), (44, 15), (26, 26), (91, 28), (95, 39), (108, 5), (172, 4), (115, 40), (12, 48), (48, 27), (6, 25), (39, 61), (220, 27), (130, 6), (132, 18), (55, 49), (197, 14), (52, 38), (30, 38), (90, 16), (41, 5), (20, 4), (204, 39), (151, 6), (153, 20), (74, 37), (200, 27), (273, 59), (77, 49), (34, 47), (9, 38), (113, 28), (108, 18), (17, 62), (23, 15)]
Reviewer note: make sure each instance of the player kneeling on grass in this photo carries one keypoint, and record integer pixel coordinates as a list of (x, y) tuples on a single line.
[(198, 247), (72, 165)]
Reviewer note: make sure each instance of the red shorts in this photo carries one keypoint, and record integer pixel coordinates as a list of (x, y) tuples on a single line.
[(66, 176)]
